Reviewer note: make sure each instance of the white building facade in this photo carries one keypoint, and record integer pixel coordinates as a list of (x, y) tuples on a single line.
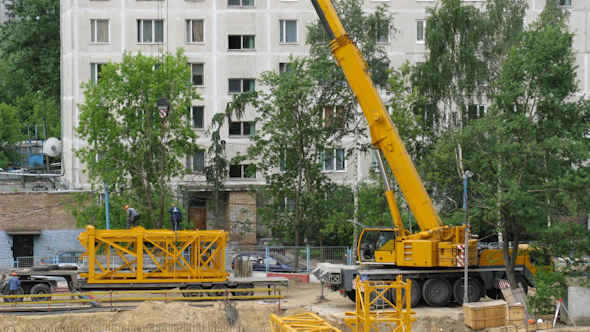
[(229, 43)]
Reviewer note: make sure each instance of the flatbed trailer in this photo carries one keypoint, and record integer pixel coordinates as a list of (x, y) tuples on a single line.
[(34, 281)]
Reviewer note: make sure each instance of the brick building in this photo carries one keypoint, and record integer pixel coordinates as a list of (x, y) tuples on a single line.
[(35, 226)]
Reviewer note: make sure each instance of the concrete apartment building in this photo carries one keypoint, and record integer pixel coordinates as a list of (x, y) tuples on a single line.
[(229, 43)]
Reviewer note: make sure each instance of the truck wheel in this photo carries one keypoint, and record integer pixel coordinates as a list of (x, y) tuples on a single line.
[(522, 281), (416, 293), (473, 290), (437, 292), (244, 292), (5, 291), (351, 295), (221, 291), (494, 294), (193, 294), (41, 289)]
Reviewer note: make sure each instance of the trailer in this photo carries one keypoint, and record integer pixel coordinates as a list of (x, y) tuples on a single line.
[(140, 259)]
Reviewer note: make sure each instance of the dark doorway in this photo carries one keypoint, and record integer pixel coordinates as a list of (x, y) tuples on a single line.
[(197, 212), (22, 246)]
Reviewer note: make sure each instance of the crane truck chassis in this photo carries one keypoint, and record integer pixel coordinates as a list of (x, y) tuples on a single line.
[(140, 259)]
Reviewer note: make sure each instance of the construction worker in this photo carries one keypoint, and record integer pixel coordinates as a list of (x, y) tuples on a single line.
[(132, 216), (13, 286), (175, 217)]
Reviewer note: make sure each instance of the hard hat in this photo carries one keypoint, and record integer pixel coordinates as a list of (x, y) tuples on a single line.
[(126, 207), (14, 273)]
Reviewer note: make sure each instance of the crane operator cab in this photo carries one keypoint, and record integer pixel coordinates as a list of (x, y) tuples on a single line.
[(377, 245)]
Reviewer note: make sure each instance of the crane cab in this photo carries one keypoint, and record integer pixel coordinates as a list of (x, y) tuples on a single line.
[(377, 245)]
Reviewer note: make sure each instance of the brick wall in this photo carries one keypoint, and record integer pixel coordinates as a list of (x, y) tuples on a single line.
[(35, 211), (241, 213)]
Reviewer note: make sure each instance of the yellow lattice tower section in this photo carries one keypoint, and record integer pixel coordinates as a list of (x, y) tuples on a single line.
[(308, 322), (382, 305), (144, 256)]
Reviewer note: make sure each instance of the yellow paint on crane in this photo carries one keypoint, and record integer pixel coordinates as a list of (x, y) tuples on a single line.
[(308, 322), (138, 255)]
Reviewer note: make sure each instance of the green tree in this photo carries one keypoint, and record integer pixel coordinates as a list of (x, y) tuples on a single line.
[(34, 107), (129, 145), (529, 152), (291, 145), (10, 134), (30, 47)]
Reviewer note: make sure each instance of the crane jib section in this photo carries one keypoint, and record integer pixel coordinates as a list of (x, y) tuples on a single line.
[(146, 256)]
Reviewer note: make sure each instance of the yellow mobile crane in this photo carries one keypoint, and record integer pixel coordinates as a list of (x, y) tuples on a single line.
[(433, 257)]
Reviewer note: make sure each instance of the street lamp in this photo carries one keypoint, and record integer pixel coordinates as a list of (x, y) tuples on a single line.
[(466, 176)]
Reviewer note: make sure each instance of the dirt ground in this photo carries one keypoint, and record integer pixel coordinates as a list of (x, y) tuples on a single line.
[(252, 315)]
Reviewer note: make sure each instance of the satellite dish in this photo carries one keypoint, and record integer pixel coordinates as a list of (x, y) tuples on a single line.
[(52, 147)]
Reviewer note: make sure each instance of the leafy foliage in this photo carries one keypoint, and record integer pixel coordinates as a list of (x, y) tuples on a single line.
[(10, 134), (528, 153), (30, 45), (129, 146)]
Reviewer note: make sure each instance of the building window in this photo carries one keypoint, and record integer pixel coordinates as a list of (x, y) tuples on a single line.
[(95, 69), (242, 172), (241, 85), (288, 31), (420, 31), (241, 42), (194, 31), (565, 3), (196, 162), (284, 68), (150, 31), (197, 115), (472, 112), (334, 160), (99, 31), (240, 3), (238, 128), (197, 74), (331, 116)]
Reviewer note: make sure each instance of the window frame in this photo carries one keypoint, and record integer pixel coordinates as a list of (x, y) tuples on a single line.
[(283, 32), (284, 68), (192, 64), (189, 31), (242, 82), (200, 154), (334, 160), (242, 39), (95, 68), (243, 171), (94, 31), (423, 35), (193, 122), (140, 31), (251, 130), (241, 5), (571, 3)]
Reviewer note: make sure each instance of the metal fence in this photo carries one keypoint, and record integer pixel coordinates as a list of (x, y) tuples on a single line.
[(264, 258), (282, 258), (30, 261)]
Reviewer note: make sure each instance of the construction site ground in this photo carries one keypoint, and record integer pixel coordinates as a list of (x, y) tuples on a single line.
[(252, 315)]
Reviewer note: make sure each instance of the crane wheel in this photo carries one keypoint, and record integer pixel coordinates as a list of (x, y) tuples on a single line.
[(41, 289), (351, 295), (193, 294), (522, 281), (437, 292), (416, 293), (474, 290)]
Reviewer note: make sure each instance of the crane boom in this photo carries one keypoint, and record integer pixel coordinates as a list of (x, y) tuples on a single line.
[(384, 133)]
